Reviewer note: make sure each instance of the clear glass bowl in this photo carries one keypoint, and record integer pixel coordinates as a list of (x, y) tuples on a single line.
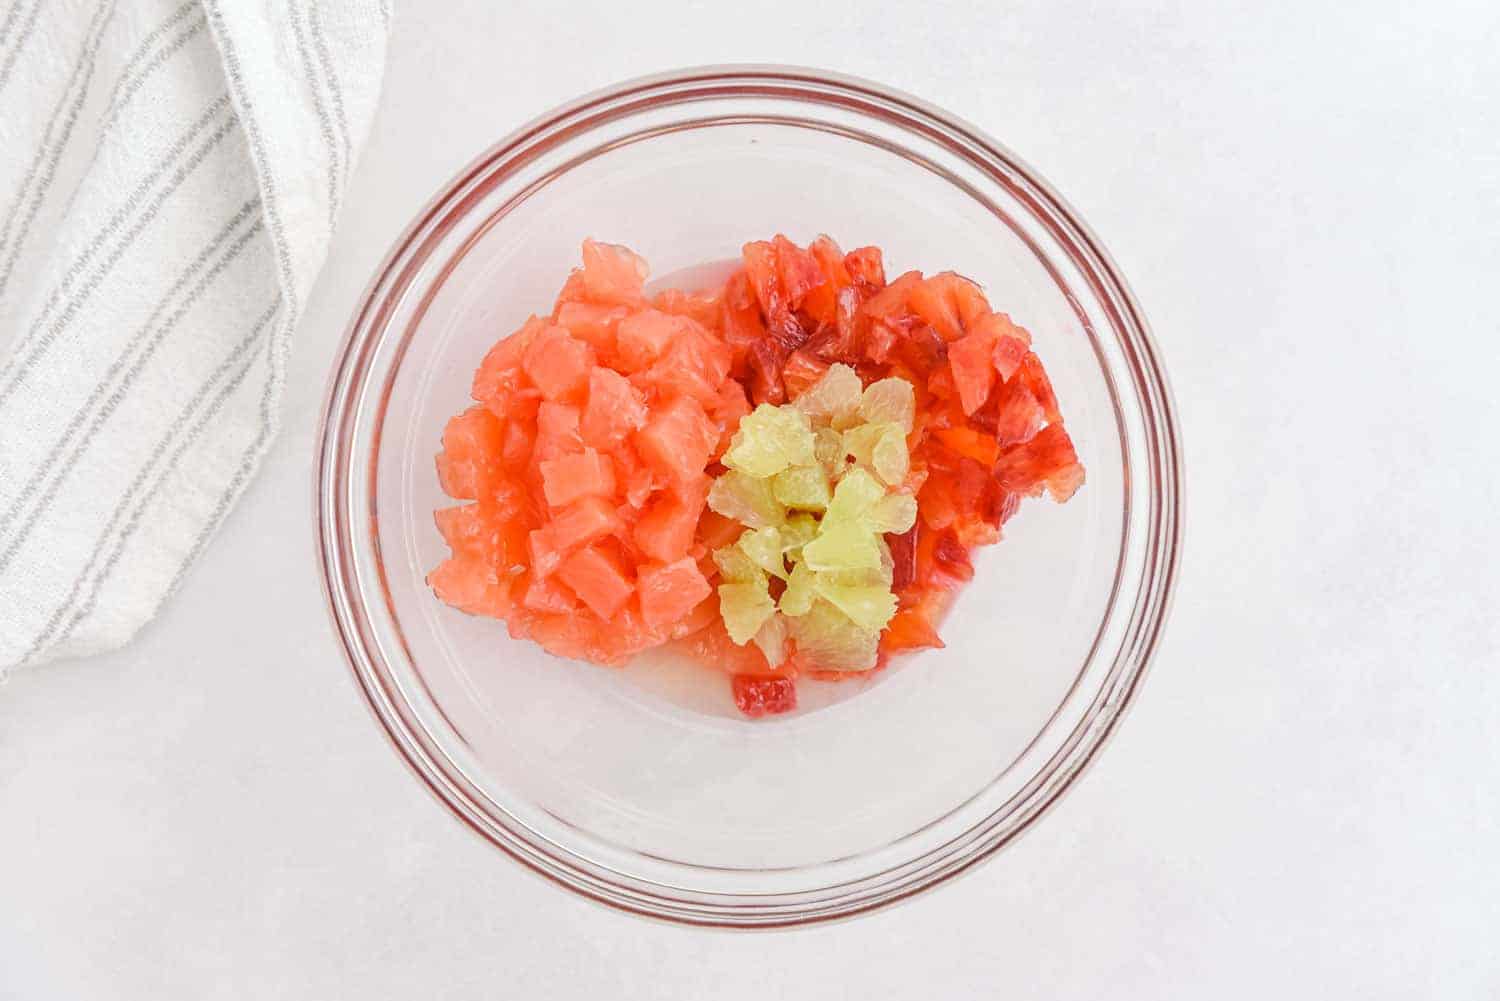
[(641, 787)]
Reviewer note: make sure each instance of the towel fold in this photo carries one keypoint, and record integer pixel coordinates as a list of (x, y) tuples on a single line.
[(170, 176)]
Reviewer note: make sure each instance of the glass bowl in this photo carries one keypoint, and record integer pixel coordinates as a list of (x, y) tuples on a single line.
[(641, 787)]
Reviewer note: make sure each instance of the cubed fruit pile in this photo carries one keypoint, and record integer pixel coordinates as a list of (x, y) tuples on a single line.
[(623, 493)]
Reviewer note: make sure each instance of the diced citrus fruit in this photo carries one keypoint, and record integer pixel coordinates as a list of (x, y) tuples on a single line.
[(467, 466), (643, 337), (769, 440), (591, 323), (558, 364), (678, 440), (842, 546), (757, 696), (745, 608), (894, 513), (803, 487), (598, 579), (889, 401), (471, 585), (834, 399), (556, 431), (614, 410), (612, 273), (763, 546), (854, 496), (869, 607), (614, 466), (666, 526), (581, 474), (771, 638), (746, 499), (736, 565), (890, 458), (800, 590), (670, 592), (831, 641)]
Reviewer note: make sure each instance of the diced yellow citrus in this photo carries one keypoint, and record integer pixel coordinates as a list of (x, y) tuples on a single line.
[(800, 591), (763, 547), (769, 439), (853, 498), (828, 638), (804, 487), (842, 546), (744, 608), (893, 513), (745, 499), (834, 399), (869, 607), (890, 459), (889, 401)]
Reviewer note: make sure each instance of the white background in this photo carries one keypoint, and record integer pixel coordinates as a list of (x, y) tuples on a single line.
[(1305, 802)]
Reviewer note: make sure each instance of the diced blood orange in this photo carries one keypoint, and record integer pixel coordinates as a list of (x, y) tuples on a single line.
[(558, 364), (798, 271), (866, 268), (581, 474), (598, 579), (972, 357), (891, 303), (614, 409), (468, 464), (800, 372), (765, 360), (671, 591), (970, 442), (910, 630), (820, 302), (763, 265), (903, 549), (1011, 343), (1035, 378), (1047, 460), (948, 302), (1013, 415), (678, 440), (757, 696)]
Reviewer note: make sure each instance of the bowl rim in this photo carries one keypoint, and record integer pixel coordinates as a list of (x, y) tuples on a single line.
[(1163, 542)]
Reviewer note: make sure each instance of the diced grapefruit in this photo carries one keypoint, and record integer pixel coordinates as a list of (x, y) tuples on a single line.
[(678, 440), (670, 591), (567, 478), (598, 579)]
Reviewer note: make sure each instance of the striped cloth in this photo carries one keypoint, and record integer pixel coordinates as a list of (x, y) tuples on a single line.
[(170, 175)]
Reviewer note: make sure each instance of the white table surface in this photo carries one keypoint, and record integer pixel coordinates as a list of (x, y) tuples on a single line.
[(1305, 802)]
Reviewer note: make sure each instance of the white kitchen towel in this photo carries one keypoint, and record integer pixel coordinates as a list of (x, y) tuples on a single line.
[(170, 175)]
